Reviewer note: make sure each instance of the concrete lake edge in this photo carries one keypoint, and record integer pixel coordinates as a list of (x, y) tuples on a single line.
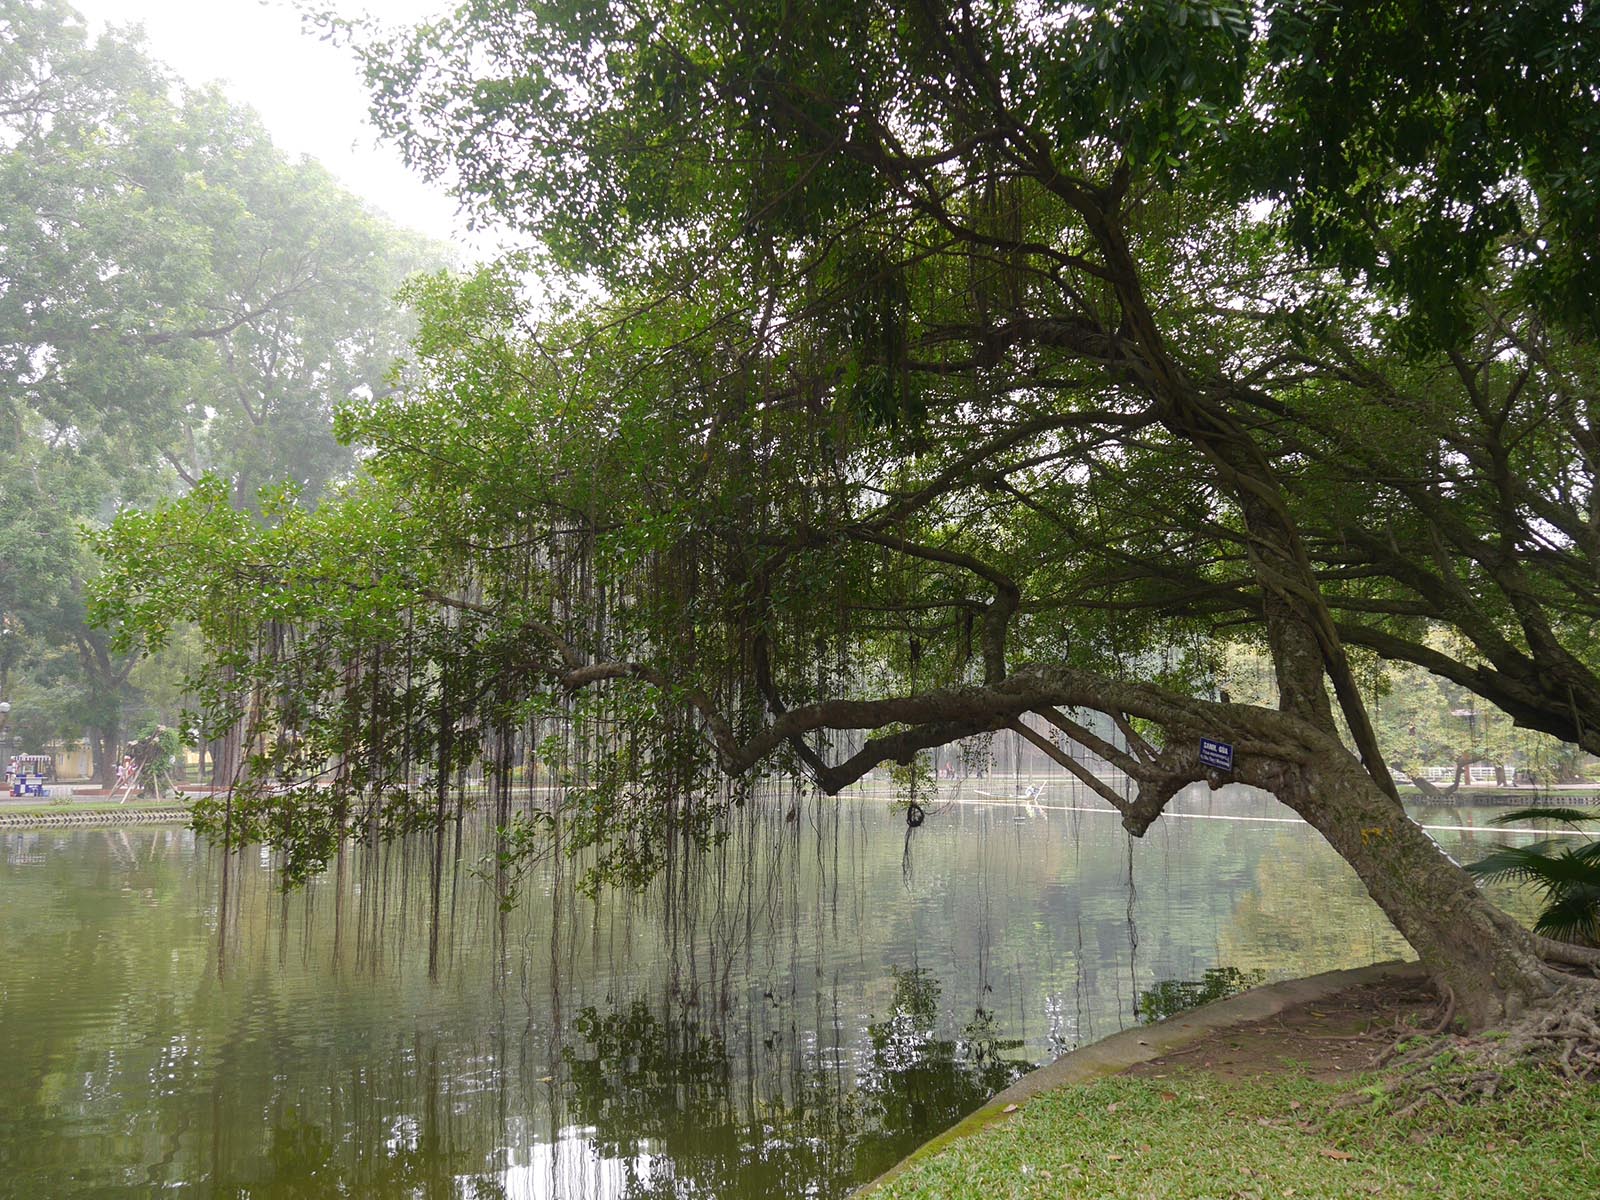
[(95, 817), (1141, 1043)]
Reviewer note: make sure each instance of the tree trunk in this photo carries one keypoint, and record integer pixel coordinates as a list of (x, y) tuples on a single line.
[(1423, 784), (108, 753), (1488, 960), (225, 756)]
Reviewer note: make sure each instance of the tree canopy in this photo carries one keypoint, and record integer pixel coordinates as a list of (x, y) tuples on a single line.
[(953, 369)]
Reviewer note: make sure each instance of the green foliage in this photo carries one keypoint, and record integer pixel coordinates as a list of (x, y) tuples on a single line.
[(518, 846), (156, 749), (915, 782), (1486, 155), (1567, 876), (889, 350), (179, 297)]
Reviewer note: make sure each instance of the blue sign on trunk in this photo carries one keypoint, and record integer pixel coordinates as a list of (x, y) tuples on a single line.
[(1216, 754)]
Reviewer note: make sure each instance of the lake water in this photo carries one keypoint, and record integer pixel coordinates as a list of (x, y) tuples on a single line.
[(787, 1017)]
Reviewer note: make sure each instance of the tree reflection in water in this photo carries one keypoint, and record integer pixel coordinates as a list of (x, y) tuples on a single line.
[(372, 1035), (660, 1095)]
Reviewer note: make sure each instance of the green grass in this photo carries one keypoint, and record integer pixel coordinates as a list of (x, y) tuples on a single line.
[(1192, 1136)]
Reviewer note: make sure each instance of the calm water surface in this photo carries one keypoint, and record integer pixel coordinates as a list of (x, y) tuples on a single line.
[(786, 1018)]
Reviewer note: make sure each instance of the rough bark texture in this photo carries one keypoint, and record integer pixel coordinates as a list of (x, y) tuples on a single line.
[(1491, 964)]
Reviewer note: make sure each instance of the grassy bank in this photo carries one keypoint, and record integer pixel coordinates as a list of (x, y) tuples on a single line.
[(1192, 1135)]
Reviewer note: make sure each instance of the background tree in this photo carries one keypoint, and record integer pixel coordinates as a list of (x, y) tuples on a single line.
[(176, 296)]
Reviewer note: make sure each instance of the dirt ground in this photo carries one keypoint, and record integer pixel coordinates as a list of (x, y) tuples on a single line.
[(1338, 1035)]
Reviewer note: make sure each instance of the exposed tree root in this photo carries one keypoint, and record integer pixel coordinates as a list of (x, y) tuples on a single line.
[(1565, 952), (1436, 1066), (1443, 1022)]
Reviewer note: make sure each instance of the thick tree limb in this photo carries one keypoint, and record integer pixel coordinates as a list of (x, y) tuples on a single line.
[(996, 616), (1088, 777)]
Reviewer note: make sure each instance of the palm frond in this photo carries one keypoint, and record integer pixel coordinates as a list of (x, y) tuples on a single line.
[(1568, 875), (1573, 916), (1588, 851), (1569, 869), (1522, 864)]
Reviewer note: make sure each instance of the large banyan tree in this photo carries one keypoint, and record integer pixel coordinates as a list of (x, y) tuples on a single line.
[(902, 374)]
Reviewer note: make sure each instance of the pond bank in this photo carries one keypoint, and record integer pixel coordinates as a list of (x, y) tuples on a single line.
[(47, 815), (1142, 1043), (1268, 1093)]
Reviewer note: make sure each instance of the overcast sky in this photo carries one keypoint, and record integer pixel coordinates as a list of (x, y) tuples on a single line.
[(307, 92)]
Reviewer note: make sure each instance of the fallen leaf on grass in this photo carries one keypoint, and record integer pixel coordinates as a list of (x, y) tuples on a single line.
[(1112, 1107), (1294, 1104), (1169, 1096), (1010, 1108), (1338, 1154)]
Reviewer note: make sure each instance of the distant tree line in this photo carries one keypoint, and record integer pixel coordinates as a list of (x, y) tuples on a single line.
[(177, 297)]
